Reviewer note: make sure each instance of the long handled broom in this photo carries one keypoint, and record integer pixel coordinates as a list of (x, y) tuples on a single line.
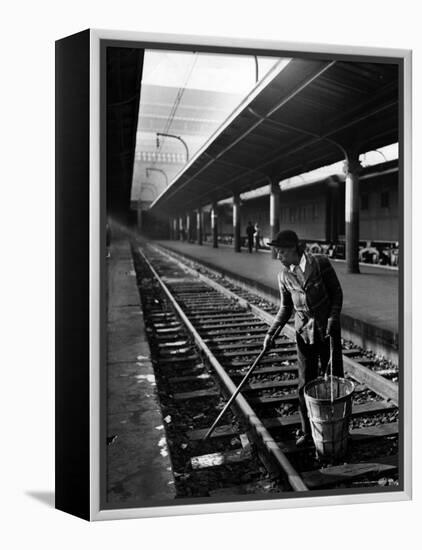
[(229, 402), (235, 394)]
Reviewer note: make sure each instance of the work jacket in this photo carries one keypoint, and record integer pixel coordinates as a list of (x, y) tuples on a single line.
[(315, 296)]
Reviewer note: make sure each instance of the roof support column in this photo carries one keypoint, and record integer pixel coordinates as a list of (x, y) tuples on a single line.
[(182, 233), (236, 222), (188, 228), (352, 170), (274, 214), (214, 225), (172, 229), (199, 226), (176, 229)]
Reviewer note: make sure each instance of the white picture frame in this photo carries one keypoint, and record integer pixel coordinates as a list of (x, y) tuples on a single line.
[(91, 366)]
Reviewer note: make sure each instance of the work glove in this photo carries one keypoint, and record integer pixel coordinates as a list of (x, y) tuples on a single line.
[(333, 326), (268, 341)]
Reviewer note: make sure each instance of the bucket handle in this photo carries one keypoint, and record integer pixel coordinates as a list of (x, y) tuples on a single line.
[(330, 368)]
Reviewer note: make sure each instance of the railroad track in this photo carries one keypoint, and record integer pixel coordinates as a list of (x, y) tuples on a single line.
[(204, 337)]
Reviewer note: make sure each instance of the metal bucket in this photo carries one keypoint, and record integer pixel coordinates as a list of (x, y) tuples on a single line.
[(329, 405)]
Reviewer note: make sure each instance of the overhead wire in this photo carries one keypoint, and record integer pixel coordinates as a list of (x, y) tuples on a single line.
[(175, 106)]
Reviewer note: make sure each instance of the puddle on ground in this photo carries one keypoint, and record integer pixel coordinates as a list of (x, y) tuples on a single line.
[(163, 444), (148, 377)]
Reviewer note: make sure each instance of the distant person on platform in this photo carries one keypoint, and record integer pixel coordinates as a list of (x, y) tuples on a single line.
[(257, 236), (250, 230), (308, 285)]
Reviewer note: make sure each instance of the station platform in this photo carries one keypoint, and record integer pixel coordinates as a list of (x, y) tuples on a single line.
[(138, 462), (370, 315)]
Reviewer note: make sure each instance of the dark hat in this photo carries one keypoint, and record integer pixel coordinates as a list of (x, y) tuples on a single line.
[(285, 239)]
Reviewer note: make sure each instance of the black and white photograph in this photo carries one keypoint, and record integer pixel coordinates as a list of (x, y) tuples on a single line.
[(252, 257), (210, 278)]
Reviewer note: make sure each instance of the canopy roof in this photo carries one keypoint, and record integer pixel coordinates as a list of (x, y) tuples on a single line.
[(307, 116)]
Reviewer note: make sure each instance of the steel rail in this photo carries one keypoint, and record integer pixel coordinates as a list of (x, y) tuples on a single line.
[(275, 453)]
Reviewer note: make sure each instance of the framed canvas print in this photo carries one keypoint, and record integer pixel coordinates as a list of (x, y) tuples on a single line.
[(233, 274)]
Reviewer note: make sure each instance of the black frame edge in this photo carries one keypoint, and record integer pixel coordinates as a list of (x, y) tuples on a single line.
[(72, 418)]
